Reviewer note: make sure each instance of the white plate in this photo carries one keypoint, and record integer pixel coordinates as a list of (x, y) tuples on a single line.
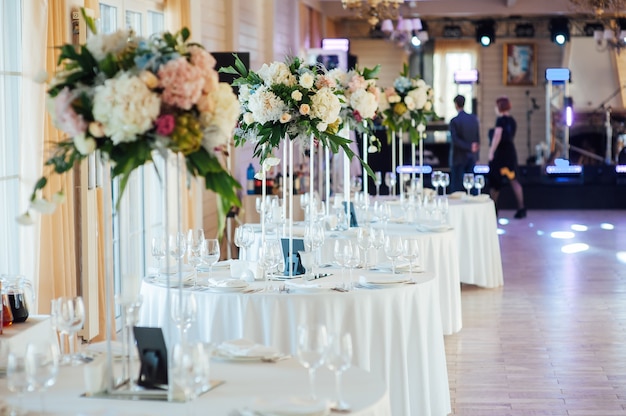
[(432, 228), (380, 282), (291, 406), (303, 288), (227, 285)]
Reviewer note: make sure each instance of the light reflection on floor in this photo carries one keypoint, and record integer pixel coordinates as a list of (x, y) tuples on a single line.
[(607, 226), (563, 235), (574, 248), (579, 227)]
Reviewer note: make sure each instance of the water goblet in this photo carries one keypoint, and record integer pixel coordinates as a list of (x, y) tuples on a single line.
[(17, 380), (353, 260), (178, 248), (436, 180), (378, 180), (338, 360), (364, 241), (194, 244), (41, 362), (183, 310), (158, 251), (270, 258), (307, 258), (445, 181), (377, 239), (210, 253), (70, 319), (311, 348), (342, 254), (468, 182), (390, 182), (393, 250), (443, 206), (479, 183), (411, 251)]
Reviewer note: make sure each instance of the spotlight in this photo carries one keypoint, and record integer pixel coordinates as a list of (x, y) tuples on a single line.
[(524, 30), (591, 28), (559, 30), (485, 32)]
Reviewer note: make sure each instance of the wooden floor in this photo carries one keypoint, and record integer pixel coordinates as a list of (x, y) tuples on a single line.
[(552, 340)]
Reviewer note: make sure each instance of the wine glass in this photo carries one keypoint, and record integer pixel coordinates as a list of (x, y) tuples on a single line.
[(377, 240), (363, 239), (378, 180), (314, 237), (468, 182), (183, 310), (311, 349), (210, 253), (194, 244), (244, 237), (307, 258), (393, 250), (445, 181), (353, 261), (443, 207), (342, 254), (479, 183), (390, 182), (70, 319), (435, 179), (411, 251), (305, 201), (338, 360), (178, 247), (158, 251), (17, 380), (41, 362), (270, 258)]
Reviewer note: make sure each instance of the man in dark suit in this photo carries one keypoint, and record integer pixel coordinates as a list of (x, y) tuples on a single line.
[(465, 144)]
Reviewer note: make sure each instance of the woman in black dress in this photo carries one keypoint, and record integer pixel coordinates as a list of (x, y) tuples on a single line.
[(503, 157)]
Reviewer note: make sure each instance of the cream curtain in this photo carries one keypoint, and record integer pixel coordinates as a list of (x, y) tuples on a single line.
[(177, 15)]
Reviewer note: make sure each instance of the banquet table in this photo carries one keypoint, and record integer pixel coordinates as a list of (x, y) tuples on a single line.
[(475, 221), (245, 384), (396, 330), (438, 254)]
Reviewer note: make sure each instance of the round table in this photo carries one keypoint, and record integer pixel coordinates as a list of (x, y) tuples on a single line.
[(396, 331), (244, 382), (475, 221)]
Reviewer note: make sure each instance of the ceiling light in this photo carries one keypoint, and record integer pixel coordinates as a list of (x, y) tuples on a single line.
[(524, 30), (373, 10), (452, 31)]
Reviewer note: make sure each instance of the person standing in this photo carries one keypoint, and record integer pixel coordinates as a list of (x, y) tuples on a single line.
[(465, 144), (503, 157)]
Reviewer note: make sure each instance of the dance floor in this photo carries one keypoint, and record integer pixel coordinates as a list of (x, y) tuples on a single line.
[(552, 340)]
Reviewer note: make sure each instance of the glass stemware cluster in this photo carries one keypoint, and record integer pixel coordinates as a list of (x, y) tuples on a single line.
[(315, 348), (440, 179), (68, 317), (244, 238)]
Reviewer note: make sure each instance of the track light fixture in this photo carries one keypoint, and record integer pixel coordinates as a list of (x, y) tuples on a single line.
[(559, 30), (485, 32), (525, 30)]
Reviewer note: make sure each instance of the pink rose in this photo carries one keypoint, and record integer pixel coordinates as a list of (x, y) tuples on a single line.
[(165, 124)]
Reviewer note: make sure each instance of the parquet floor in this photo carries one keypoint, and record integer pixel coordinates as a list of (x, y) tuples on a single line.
[(552, 340)]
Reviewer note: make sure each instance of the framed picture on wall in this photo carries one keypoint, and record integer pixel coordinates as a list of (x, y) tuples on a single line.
[(520, 64)]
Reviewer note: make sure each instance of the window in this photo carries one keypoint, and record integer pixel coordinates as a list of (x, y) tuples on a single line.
[(10, 78), (447, 60)]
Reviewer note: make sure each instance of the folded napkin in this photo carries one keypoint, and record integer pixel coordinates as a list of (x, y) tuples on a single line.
[(304, 286), (291, 406), (245, 348), (457, 195)]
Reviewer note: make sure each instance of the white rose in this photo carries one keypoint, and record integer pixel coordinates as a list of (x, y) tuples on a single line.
[(85, 145), (322, 126), (248, 118), (285, 118), (296, 95), (306, 80)]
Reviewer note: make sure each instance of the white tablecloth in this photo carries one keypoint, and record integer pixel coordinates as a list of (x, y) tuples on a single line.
[(477, 238), (244, 383), (396, 331)]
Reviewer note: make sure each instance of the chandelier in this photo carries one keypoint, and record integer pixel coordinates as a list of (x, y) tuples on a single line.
[(599, 8), (610, 29), (373, 10)]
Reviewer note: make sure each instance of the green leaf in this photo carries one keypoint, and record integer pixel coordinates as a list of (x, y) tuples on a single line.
[(371, 73), (41, 183), (185, 34), (91, 24)]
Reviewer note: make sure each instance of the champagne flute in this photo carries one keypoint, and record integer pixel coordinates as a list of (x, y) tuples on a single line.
[(311, 349), (178, 248), (184, 310), (378, 180), (479, 183), (41, 362), (468, 182), (210, 253), (411, 251), (338, 360)]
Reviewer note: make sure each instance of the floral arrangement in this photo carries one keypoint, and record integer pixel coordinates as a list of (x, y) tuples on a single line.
[(290, 100), (407, 105), (127, 96), (360, 101)]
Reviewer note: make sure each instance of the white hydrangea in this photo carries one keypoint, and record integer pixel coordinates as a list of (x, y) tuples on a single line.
[(325, 105), (101, 45), (383, 104), (419, 97), (266, 106), (126, 107), (364, 102), (219, 125), (276, 73), (341, 76)]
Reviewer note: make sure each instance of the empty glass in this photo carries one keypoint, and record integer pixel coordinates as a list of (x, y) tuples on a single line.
[(378, 180), (194, 246), (41, 362), (307, 258), (445, 181), (479, 183), (390, 182), (70, 316), (411, 251), (393, 250), (17, 380), (158, 251), (468, 182), (312, 342), (338, 360), (178, 248), (210, 253), (342, 254), (244, 238), (270, 258), (364, 241), (436, 179), (183, 310)]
